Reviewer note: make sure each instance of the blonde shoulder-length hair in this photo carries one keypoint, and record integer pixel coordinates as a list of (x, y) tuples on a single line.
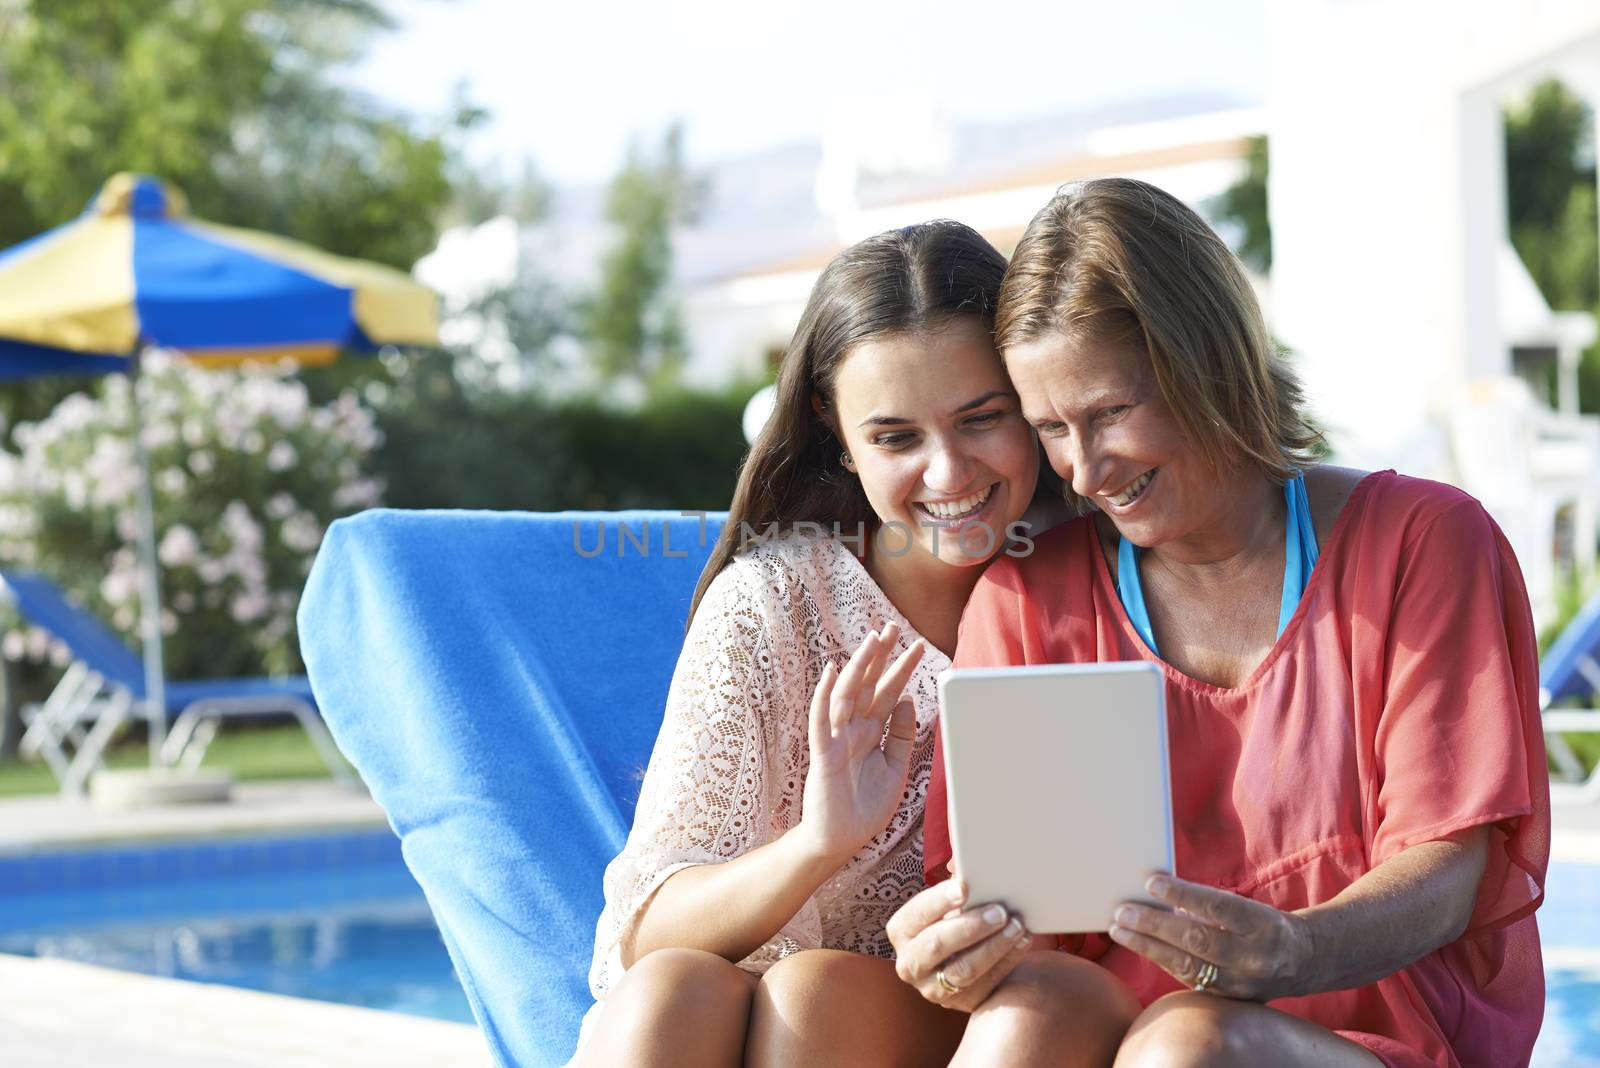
[(1119, 260)]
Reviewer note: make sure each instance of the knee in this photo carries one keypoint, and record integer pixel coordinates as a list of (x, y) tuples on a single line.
[(815, 985), (672, 981), (1058, 1001), (1063, 986), (674, 1006), (1182, 1030), (831, 1007)]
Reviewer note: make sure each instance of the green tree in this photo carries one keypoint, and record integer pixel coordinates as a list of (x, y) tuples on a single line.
[(503, 338), (1244, 204), (1550, 193), (632, 324), (232, 101), (478, 196)]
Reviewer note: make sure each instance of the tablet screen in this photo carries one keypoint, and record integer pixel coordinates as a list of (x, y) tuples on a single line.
[(1060, 800)]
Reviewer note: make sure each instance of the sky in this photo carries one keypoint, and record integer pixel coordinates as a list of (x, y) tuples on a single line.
[(571, 83)]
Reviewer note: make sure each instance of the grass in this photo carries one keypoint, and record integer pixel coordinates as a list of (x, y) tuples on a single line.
[(1586, 747), (1572, 592), (277, 751)]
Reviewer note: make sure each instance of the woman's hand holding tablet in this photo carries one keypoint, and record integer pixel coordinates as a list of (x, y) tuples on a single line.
[(955, 958)]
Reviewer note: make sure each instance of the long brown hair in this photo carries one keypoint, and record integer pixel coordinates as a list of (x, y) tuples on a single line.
[(1116, 259), (900, 282)]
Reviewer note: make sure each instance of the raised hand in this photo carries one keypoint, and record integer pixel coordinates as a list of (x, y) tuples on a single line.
[(857, 773)]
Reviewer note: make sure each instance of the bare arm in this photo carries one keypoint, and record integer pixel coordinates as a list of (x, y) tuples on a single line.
[(860, 737), (1402, 910), (732, 909), (1397, 913)]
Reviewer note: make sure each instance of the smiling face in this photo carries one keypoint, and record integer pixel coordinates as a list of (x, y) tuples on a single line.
[(1109, 434), (936, 437)]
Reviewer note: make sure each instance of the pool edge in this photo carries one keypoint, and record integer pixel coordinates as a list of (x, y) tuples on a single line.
[(187, 1024)]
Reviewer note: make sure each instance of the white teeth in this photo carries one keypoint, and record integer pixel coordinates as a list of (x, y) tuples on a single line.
[(1131, 494), (956, 509)]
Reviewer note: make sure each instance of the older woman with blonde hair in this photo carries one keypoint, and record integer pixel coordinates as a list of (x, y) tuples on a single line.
[(1360, 796)]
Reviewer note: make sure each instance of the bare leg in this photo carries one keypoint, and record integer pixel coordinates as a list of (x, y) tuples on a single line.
[(1054, 1009), (828, 1007), (673, 1007), (1187, 1030)]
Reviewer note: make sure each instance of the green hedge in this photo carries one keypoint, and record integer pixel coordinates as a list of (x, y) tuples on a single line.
[(445, 448)]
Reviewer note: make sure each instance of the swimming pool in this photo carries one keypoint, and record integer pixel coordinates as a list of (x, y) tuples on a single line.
[(337, 917), (330, 917), (1569, 925)]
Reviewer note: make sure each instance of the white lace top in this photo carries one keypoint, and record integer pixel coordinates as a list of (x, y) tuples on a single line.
[(729, 767)]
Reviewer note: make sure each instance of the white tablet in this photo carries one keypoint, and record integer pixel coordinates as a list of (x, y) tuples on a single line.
[(1060, 803)]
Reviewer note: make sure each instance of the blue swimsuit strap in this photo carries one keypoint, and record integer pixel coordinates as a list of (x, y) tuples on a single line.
[(1300, 556)]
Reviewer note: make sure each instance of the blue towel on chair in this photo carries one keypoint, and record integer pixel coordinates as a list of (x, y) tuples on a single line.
[(498, 680)]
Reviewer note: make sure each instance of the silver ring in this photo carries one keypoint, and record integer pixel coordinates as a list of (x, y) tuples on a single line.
[(1207, 976), (949, 987)]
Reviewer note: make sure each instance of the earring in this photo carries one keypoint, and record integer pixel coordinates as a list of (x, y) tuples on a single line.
[(844, 460)]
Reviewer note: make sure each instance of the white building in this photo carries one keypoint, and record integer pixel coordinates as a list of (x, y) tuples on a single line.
[(1394, 282), (739, 313), (1393, 276), (775, 219)]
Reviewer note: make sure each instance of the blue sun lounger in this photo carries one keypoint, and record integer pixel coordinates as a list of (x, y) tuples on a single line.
[(103, 687), (1570, 669), (498, 680)]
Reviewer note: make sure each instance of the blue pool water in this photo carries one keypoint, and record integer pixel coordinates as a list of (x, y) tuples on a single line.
[(331, 917), (1571, 1035), (338, 918)]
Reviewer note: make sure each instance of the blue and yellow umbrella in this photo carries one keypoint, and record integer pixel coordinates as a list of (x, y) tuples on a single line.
[(135, 272)]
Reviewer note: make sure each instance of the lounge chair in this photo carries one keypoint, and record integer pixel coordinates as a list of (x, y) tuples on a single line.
[(498, 680), (103, 687), (1570, 669)]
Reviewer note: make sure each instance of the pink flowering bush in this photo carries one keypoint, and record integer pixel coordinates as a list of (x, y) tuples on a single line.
[(246, 474)]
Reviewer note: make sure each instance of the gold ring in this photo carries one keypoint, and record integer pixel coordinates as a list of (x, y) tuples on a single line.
[(949, 987), (1207, 976)]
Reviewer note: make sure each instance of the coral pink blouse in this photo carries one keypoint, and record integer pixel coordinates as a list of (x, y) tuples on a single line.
[(1398, 706)]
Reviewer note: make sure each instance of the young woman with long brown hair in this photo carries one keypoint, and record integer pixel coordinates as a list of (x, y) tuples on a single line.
[(780, 821)]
